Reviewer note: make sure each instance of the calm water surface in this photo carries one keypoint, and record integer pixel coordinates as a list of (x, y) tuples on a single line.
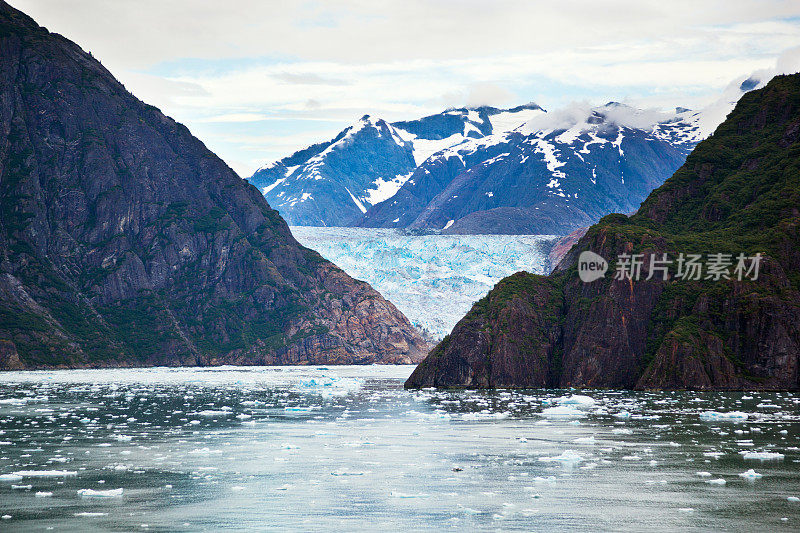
[(346, 448)]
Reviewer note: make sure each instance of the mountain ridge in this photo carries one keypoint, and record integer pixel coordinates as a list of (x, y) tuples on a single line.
[(334, 182), (125, 242), (737, 193)]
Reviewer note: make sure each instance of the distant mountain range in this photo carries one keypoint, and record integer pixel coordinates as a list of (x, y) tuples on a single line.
[(488, 170), (335, 183)]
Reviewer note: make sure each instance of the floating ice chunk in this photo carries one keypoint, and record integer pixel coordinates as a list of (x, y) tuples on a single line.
[(762, 456), (91, 493), (14, 401), (704, 474), (685, 510), (631, 458), (21, 487), (197, 451), (578, 400), (43, 494), (46, 473), (485, 416), (585, 440), (718, 481), (395, 494), (562, 411), (622, 415), (622, 431), (793, 499), (209, 413), (715, 455), (731, 416), (568, 457), (10, 477), (90, 515), (751, 474)]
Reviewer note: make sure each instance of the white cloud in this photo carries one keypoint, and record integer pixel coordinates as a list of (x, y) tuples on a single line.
[(246, 75)]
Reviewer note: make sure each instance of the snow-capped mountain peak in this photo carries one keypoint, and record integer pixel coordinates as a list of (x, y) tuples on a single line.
[(333, 183)]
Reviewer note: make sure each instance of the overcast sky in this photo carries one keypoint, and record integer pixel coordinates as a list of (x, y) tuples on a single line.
[(258, 80)]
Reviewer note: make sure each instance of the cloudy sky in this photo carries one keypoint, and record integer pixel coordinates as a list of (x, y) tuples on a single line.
[(257, 80)]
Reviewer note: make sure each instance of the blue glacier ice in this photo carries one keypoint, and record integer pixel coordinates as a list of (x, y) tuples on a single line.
[(433, 279)]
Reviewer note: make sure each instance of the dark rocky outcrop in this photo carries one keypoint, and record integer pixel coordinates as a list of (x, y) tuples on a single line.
[(124, 241), (738, 192), (562, 246)]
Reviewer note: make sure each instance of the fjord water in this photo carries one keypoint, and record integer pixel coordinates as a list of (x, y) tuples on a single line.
[(346, 448)]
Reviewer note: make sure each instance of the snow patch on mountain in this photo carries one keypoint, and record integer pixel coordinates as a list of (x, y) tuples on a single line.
[(510, 120), (385, 189), (424, 148)]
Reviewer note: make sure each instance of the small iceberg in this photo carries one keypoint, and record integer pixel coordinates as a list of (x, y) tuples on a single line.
[(731, 416), (578, 400), (762, 456), (91, 493), (210, 413), (751, 474), (46, 473), (568, 457), (10, 477), (562, 411), (718, 481), (347, 473)]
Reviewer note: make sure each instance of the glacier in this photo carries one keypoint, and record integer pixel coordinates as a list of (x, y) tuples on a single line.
[(433, 279)]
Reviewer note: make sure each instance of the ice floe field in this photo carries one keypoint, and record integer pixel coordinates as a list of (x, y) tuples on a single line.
[(346, 448)]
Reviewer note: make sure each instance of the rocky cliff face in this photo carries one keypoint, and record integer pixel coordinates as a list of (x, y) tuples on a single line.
[(738, 192), (124, 241)]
